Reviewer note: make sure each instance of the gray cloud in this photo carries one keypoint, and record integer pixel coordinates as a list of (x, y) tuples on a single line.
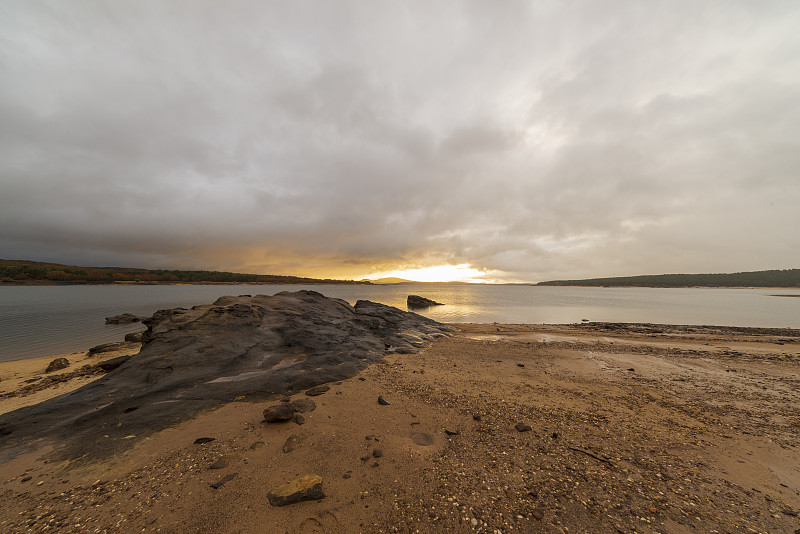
[(537, 139)]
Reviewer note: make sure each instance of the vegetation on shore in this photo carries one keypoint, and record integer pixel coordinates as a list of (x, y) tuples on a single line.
[(34, 272), (773, 278)]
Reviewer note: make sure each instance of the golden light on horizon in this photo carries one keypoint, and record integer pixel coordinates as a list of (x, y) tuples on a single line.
[(439, 273)]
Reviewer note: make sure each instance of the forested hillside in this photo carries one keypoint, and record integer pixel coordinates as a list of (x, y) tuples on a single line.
[(774, 278), (19, 271)]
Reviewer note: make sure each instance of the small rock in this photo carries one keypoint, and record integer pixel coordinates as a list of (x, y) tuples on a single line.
[(200, 441), (57, 364), (305, 488), (473, 522), (304, 405), (631, 369), (361, 378), (476, 417), (382, 401), (376, 464), (451, 432), (125, 318), (221, 482), (522, 427), (790, 513), (538, 514), (25, 479), (346, 476), (221, 463), (554, 435), (319, 390), (299, 419), (292, 442), (520, 365), (257, 445), (377, 453), (279, 412)]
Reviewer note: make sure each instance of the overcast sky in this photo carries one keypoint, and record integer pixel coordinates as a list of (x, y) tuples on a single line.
[(530, 140)]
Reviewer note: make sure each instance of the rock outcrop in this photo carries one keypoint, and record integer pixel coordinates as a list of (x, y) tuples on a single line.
[(415, 301), (193, 360)]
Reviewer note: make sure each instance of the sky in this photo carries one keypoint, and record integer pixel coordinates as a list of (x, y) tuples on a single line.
[(490, 141)]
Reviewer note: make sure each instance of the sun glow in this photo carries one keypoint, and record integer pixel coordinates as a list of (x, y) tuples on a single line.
[(439, 273)]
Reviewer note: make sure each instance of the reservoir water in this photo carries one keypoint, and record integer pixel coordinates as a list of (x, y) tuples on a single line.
[(45, 320)]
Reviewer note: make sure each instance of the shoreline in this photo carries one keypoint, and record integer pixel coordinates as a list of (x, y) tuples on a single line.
[(19, 283), (683, 430)]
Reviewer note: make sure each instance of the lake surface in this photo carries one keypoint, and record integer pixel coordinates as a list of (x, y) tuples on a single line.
[(45, 320)]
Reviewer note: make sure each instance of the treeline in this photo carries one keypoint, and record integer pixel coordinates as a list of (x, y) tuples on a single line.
[(19, 271), (774, 278)]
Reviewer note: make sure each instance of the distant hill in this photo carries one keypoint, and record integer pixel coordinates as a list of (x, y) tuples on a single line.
[(21, 272), (393, 280), (775, 278)]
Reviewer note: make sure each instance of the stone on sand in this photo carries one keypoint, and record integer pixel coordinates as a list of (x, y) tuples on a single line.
[(305, 488), (279, 412), (57, 364)]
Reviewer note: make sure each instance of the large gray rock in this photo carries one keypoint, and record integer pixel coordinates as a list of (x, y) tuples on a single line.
[(193, 360)]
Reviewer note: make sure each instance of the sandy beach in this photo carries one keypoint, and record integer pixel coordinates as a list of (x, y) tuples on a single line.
[(509, 428)]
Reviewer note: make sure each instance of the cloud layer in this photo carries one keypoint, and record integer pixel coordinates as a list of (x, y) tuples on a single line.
[(536, 140)]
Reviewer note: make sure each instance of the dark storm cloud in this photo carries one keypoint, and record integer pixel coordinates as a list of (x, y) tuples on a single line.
[(538, 139)]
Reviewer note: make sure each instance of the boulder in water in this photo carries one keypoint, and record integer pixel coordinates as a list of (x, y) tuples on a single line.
[(415, 301)]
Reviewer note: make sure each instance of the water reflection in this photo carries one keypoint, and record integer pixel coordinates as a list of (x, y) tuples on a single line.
[(41, 321)]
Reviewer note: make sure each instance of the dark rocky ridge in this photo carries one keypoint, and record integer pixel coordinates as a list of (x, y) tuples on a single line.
[(192, 360)]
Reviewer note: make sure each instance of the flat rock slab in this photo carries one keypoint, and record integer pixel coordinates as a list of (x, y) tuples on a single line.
[(319, 390), (304, 405), (305, 488), (192, 360)]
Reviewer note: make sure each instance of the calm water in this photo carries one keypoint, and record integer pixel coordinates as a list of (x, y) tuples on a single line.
[(41, 321)]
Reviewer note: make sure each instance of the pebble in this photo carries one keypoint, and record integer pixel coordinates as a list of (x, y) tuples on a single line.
[(221, 482), (319, 390)]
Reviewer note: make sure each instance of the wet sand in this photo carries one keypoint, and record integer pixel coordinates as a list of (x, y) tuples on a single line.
[(632, 429)]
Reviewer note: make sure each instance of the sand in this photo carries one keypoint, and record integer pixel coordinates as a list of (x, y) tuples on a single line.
[(632, 430), (25, 382)]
